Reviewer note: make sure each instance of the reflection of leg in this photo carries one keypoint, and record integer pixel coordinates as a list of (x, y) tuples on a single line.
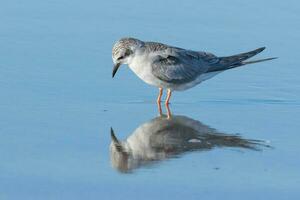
[(159, 95), (169, 115), (159, 108), (168, 97)]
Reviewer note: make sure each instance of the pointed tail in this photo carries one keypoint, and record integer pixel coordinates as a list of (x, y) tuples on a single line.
[(259, 60), (238, 60)]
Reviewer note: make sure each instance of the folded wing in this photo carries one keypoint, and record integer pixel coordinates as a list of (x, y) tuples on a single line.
[(181, 66)]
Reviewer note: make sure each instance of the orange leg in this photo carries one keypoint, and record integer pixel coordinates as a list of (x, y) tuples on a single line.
[(159, 108), (169, 115), (168, 97), (159, 95)]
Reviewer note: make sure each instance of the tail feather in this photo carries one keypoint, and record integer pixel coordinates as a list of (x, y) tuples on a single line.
[(238, 60), (256, 61)]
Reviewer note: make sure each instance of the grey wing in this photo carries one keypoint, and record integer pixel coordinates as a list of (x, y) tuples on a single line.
[(181, 66)]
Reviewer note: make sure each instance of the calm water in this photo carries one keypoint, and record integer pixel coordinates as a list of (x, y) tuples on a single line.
[(58, 103)]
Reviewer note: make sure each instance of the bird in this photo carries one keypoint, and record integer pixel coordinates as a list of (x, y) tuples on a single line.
[(173, 68), (161, 138)]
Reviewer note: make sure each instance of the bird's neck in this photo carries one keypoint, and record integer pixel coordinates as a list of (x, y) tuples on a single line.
[(137, 62)]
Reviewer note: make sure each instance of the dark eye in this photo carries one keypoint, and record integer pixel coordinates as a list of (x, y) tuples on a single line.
[(120, 58), (127, 53)]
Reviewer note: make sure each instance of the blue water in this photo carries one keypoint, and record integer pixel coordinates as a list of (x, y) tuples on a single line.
[(58, 101)]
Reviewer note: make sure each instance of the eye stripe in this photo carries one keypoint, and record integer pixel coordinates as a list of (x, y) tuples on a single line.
[(120, 57)]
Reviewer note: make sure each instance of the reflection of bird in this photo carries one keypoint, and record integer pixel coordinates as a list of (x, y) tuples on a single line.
[(162, 138), (173, 68)]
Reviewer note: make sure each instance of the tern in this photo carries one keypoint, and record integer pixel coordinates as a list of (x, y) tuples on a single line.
[(173, 68)]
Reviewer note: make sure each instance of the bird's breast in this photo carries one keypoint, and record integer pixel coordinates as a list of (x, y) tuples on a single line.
[(141, 66)]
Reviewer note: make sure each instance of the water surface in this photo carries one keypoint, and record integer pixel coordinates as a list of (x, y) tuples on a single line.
[(58, 102)]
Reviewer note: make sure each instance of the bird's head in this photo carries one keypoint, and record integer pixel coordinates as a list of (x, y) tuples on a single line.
[(123, 51)]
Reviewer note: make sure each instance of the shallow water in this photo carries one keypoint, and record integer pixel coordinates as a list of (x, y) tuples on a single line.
[(58, 103)]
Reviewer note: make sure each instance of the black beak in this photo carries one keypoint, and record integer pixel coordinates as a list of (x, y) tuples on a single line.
[(115, 69), (113, 136), (116, 141)]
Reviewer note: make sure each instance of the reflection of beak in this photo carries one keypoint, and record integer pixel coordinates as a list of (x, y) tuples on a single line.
[(115, 69), (115, 140), (113, 136)]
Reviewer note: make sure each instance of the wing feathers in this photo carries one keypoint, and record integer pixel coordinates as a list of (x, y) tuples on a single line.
[(181, 66)]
